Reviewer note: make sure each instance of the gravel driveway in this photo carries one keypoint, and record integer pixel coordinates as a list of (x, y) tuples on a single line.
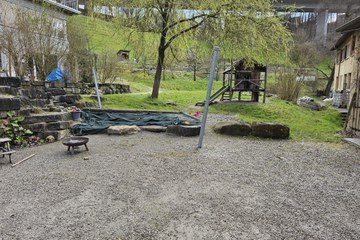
[(158, 186)]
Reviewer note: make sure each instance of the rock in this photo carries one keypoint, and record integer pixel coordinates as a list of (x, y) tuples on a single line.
[(233, 128), (270, 130), (53, 117), (123, 130), (153, 128), (50, 139), (309, 103), (8, 104), (10, 81), (171, 103), (34, 93), (56, 92), (60, 134), (9, 90), (36, 127), (69, 99), (61, 125), (183, 130)]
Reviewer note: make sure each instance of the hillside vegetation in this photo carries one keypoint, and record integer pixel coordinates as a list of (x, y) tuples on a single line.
[(180, 93)]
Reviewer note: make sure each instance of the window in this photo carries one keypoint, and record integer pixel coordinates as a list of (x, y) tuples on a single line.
[(353, 43), (349, 81), (345, 54)]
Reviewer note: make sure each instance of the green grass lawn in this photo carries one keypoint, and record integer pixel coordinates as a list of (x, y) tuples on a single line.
[(305, 124)]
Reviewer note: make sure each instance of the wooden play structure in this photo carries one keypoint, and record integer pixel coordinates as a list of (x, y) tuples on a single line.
[(242, 78)]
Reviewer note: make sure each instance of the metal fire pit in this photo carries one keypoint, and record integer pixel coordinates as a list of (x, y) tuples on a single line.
[(72, 142)]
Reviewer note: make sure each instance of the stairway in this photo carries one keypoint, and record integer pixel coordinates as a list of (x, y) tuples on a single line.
[(343, 113)]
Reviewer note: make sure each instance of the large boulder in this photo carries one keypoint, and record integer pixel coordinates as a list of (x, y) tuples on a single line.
[(184, 130), (270, 130), (233, 128), (153, 128), (123, 130)]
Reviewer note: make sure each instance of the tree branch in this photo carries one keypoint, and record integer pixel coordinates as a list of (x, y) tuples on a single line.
[(187, 30)]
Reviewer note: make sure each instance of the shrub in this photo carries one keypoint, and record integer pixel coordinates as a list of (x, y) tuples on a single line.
[(12, 129), (287, 86)]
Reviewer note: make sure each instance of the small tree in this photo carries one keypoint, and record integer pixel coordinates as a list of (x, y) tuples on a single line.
[(108, 68), (288, 86), (34, 37)]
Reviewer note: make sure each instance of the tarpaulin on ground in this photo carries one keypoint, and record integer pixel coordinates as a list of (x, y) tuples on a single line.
[(96, 121)]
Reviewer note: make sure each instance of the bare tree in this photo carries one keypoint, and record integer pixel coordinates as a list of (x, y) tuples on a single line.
[(34, 37)]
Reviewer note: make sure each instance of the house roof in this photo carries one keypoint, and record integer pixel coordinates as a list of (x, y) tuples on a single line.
[(341, 40), (350, 26), (347, 29)]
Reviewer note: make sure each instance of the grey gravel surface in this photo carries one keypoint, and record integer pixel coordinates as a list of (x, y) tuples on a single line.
[(158, 186)]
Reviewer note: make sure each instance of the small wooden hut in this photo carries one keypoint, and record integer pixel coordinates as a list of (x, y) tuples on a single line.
[(244, 78)]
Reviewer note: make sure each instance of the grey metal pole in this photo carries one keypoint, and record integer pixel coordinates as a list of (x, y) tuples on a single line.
[(97, 88), (207, 102), (265, 83)]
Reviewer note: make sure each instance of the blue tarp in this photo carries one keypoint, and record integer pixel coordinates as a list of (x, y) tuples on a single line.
[(56, 75)]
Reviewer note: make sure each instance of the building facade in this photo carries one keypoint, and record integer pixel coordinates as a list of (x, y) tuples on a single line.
[(27, 50), (346, 86)]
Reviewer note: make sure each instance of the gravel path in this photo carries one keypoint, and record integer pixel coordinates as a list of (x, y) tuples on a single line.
[(157, 186)]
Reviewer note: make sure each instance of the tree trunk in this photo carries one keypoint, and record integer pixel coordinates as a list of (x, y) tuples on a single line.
[(194, 73), (330, 82), (159, 67)]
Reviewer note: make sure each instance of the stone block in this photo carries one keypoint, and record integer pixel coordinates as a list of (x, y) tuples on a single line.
[(53, 117), (38, 102), (10, 81), (61, 125), (69, 99), (58, 135), (8, 90), (153, 128), (9, 104), (34, 93), (183, 130), (270, 130), (123, 130), (233, 128), (36, 127), (37, 83), (56, 92)]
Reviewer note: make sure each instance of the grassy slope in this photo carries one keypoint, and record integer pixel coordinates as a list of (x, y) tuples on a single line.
[(304, 124)]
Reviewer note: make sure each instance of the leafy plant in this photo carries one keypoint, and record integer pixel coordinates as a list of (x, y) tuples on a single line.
[(11, 128)]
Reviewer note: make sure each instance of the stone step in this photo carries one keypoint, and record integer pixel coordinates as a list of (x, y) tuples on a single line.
[(51, 126), (47, 117), (9, 90), (9, 103), (10, 81), (58, 135)]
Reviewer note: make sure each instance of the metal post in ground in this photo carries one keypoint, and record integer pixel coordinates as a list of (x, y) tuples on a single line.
[(207, 102), (97, 88)]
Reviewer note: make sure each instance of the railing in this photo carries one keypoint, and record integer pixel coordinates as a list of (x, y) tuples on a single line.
[(67, 4)]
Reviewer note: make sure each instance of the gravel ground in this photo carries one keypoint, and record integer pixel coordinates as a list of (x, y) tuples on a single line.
[(158, 186)]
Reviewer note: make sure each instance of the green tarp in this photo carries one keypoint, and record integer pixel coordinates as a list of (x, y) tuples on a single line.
[(96, 121)]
